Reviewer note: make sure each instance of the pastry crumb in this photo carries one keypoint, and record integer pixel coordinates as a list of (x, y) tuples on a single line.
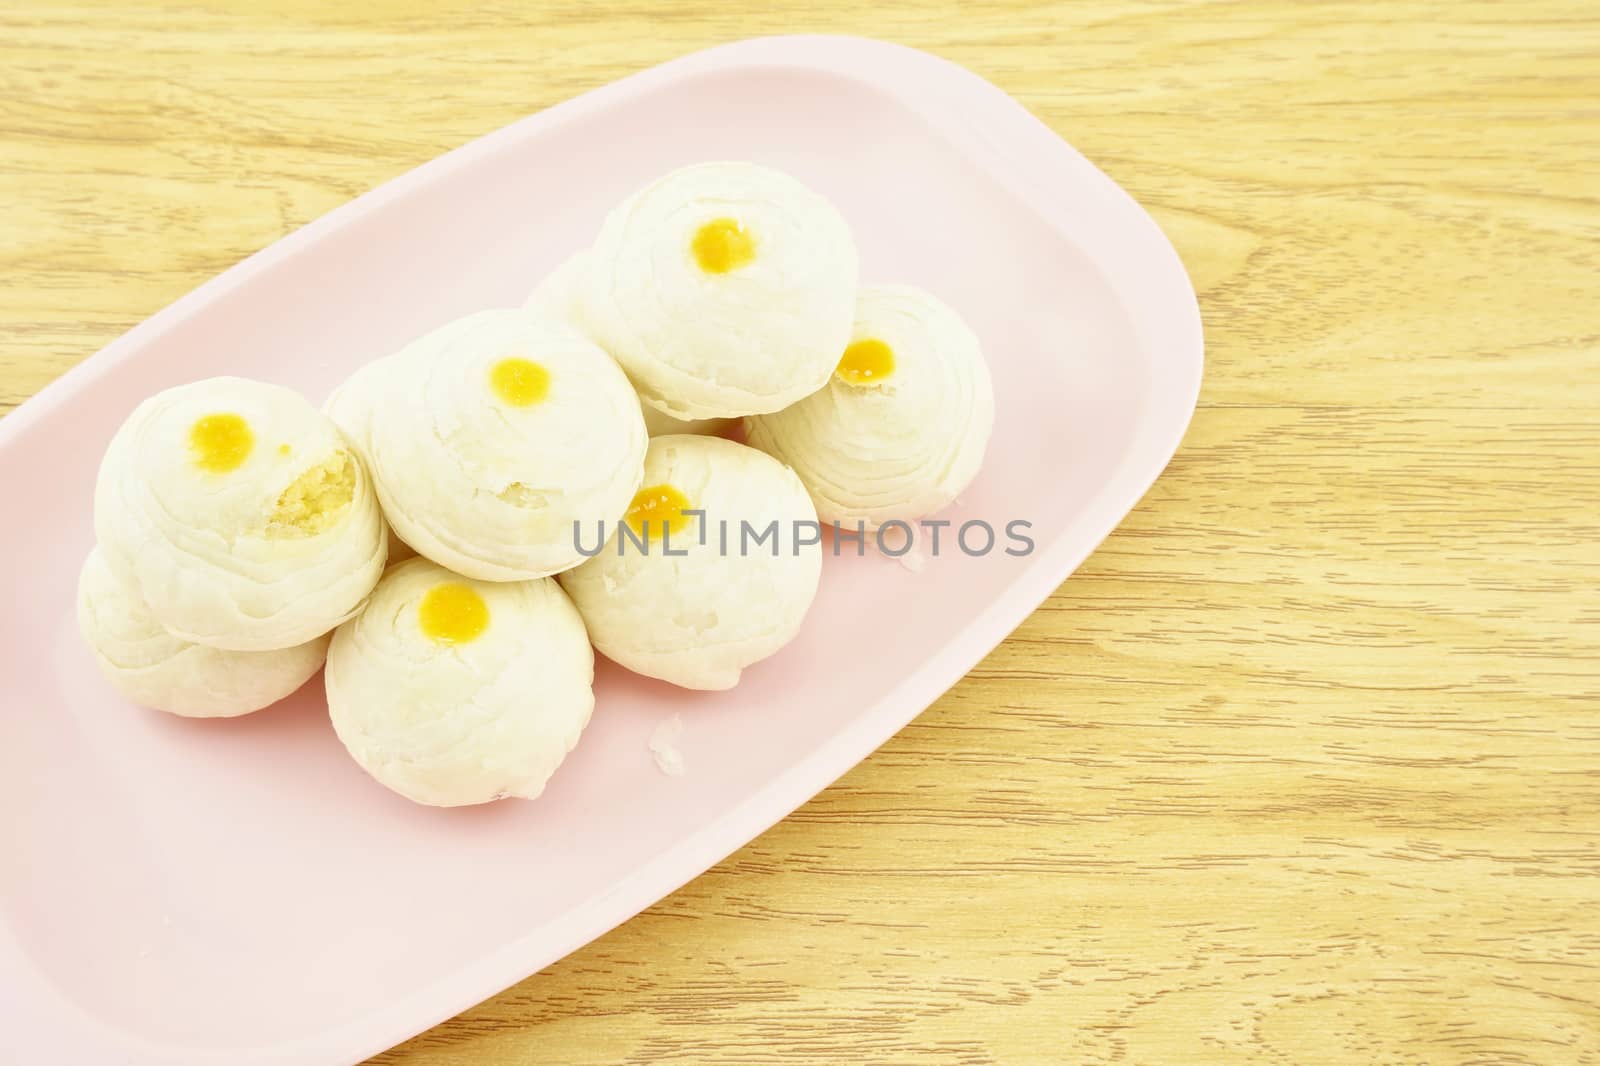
[(663, 746)]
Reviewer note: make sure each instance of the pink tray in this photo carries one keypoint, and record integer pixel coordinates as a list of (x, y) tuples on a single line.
[(186, 892)]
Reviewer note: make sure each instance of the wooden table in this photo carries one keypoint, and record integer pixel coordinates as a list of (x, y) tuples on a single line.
[(1302, 767)]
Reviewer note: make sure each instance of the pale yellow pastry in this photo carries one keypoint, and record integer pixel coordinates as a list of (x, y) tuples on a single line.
[(490, 438), (901, 427), (560, 295), (239, 515), (348, 406), (723, 289), (733, 597), (452, 691), (660, 424), (151, 667)]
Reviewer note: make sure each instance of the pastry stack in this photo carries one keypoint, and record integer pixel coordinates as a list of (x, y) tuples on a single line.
[(538, 480)]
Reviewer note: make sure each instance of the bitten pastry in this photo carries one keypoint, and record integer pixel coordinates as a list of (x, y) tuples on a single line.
[(151, 667), (452, 691), (697, 620), (723, 289), (901, 427), (491, 437), (239, 515), (560, 295)]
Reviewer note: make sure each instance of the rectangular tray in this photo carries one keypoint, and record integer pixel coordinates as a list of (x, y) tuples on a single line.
[(196, 892)]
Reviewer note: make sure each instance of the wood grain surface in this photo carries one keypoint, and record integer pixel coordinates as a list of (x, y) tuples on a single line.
[(1303, 766)]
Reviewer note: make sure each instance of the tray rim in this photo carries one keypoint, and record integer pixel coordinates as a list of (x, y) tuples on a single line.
[(992, 128)]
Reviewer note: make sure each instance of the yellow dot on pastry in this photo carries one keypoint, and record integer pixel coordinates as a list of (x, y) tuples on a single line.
[(221, 442), (722, 245), (657, 510), (519, 382), (866, 362), (452, 613)]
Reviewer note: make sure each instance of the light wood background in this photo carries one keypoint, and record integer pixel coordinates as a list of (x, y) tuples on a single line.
[(1302, 767)]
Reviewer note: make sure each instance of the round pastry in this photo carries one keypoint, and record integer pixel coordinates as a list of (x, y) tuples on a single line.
[(901, 428), (746, 575), (351, 403), (348, 406), (451, 691), (493, 438), (559, 295), (660, 424), (151, 667), (723, 289), (239, 515)]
